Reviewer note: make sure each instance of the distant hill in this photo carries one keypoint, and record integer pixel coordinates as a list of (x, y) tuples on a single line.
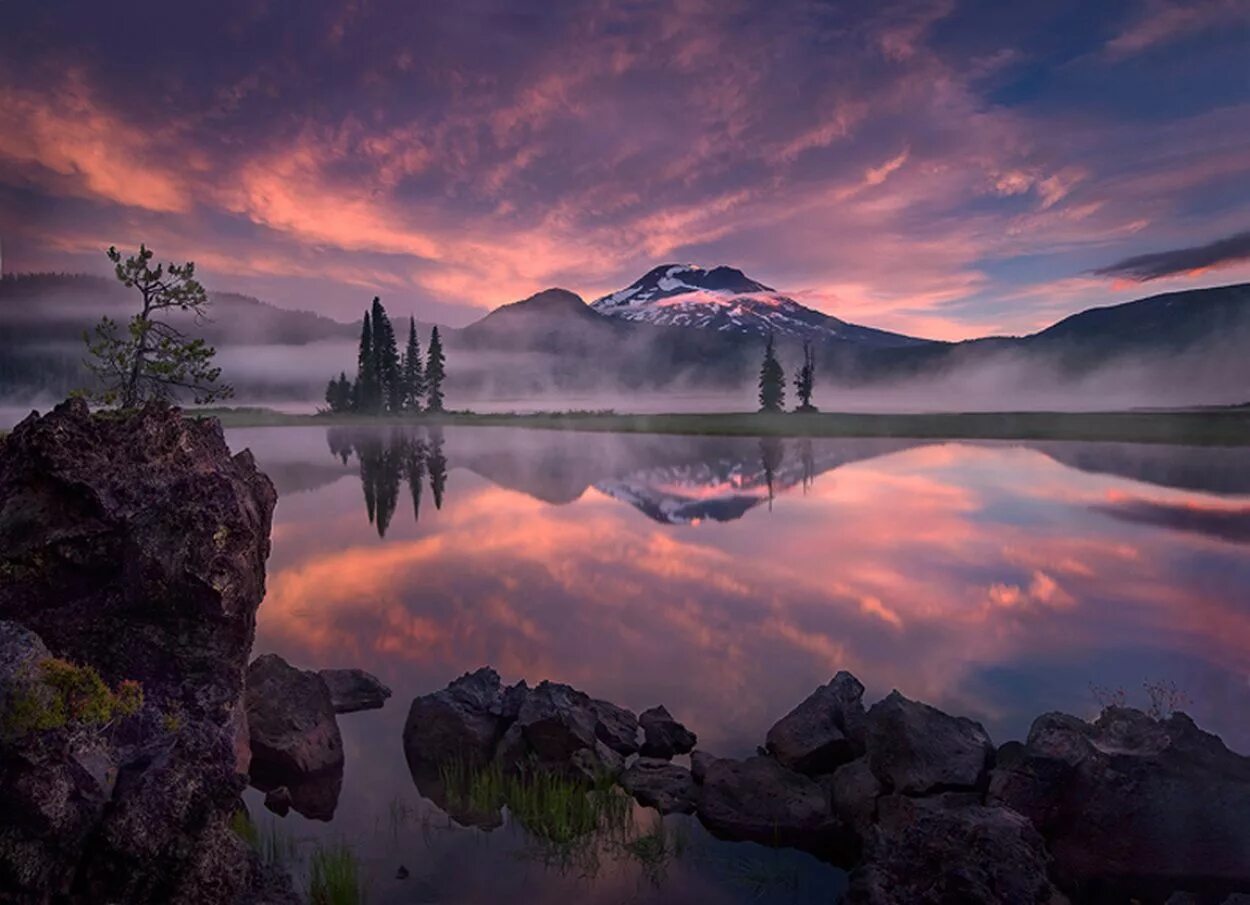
[(53, 308), (43, 318), (681, 328)]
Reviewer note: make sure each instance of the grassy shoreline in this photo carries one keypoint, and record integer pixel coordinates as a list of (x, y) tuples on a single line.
[(1200, 427)]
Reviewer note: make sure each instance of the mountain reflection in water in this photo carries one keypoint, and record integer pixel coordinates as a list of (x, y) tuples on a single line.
[(993, 580)]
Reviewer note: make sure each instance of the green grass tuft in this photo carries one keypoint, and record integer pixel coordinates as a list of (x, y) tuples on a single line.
[(334, 877), (552, 807)]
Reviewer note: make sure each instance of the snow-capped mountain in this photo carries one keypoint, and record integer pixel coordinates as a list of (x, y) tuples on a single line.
[(726, 300)]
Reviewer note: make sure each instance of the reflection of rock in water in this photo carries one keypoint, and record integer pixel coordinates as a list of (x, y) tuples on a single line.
[(430, 783), (314, 796), (389, 457)]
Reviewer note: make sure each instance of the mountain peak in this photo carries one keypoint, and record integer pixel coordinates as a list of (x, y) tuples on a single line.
[(668, 280), (726, 300), (554, 300)]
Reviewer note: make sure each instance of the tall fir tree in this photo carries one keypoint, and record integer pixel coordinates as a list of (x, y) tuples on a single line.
[(386, 361), (772, 382), (434, 373), (413, 372), (805, 380), (363, 396)]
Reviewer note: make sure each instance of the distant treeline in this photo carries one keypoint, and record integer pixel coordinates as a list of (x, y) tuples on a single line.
[(388, 382)]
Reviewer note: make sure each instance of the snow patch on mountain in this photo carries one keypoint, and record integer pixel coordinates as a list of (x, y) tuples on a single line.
[(726, 300)]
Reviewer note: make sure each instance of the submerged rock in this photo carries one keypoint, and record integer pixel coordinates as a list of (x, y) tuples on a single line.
[(663, 735), (762, 801), (291, 719), (922, 852), (661, 785), (825, 731), (1130, 805), (278, 800), (914, 748), (134, 544), (352, 690)]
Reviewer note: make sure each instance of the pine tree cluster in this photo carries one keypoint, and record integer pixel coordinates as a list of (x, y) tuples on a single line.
[(388, 381), (772, 380)]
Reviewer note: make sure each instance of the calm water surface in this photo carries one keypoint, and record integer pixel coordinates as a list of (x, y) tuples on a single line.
[(726, 578)]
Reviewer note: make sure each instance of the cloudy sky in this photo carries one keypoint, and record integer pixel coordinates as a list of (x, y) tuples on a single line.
[(943, 167)]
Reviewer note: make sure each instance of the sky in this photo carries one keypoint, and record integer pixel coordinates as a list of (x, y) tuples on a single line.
[(945, 168)]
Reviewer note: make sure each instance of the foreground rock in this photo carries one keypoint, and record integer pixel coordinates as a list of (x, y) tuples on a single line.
[(461, 723), (290, 715), (924, 852), (914, 748), (352, 690), (295, 740), (825, 731), (664, 736), (661, 785), (915, 801), (1130, 805), (476, 720), (135, 545), (762, 801)]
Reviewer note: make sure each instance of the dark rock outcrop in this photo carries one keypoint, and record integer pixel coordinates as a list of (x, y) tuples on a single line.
[(922, 852), (699, 762), (1130, 805), (825, 731), (661, 785), (853, 794), (760, 800), (552, 726), (663, 736), (278, 800), (616, 727), (135, 545), (290, 716), (554, 722), (352, 690), (460, 723), (914, 748)]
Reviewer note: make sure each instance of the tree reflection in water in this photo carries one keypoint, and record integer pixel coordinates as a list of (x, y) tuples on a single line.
[(390, 458)]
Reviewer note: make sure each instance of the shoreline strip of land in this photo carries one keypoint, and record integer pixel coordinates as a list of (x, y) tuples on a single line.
[(1197, 427)]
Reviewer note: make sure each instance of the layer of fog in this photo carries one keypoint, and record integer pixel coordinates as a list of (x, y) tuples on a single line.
[(295, 377)]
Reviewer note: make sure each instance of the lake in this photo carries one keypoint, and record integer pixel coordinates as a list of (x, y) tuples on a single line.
[(726, 579)]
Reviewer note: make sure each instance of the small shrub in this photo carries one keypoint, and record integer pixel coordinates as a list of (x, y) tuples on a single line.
[(129, 698), (84, 695), (1108, 697), (1165, 699), (66, 695), (173, 719)]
